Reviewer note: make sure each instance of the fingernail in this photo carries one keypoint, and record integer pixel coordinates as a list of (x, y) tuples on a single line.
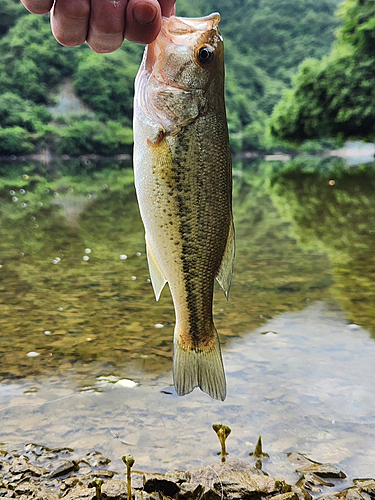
[(144, 13)]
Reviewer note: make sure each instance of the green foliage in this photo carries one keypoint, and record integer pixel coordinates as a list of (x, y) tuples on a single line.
[(359, 25), (265, 41), (32, 60), (111, 98), (93, 136), (17, 111), (335, 96), (14, 140), (10, 11)]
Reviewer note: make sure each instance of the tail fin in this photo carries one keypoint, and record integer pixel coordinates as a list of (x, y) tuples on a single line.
[(199, 367)]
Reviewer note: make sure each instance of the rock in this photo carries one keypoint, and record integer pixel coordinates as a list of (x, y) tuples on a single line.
[(64, 468), (96, 459), (103, 474), (142, 495), (70, 482), (299, 459), (207, 476), (158, 483), (364, 481), (313, 482), (322, 470), (291, 495), (190, 491), (365, 492), (245, 486), (306, 465), (21, 465), (32, 490), (81, 493), (211, 494), (5, 493), (178, 476), (302, 494), (137, 481), (115, 490)]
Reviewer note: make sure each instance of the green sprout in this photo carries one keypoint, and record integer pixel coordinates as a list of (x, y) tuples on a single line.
[(258, 451), (222, 432), (129, 462), (98, 487)]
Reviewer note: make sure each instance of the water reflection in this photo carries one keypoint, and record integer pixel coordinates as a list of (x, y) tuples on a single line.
[(74, 289), (336, 215)]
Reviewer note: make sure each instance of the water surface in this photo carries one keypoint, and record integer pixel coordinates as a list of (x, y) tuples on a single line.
[(298, 332)]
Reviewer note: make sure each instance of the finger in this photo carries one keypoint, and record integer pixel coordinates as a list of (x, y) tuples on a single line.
[(70, 20), (107, 24), (38, 6), (143, 21), (168, 7)]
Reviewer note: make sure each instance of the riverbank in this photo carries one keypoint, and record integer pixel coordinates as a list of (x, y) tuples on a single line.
[(39, 472)]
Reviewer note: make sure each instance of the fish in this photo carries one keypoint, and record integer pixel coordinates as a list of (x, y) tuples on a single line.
[(183, 181)]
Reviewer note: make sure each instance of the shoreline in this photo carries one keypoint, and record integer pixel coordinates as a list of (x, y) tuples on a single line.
[(39, 472)]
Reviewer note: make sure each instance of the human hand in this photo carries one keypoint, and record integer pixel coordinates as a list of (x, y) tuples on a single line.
[(103, 23)]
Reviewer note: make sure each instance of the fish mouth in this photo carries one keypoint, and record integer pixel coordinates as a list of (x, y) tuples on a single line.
[(178, 31), (178, 26)]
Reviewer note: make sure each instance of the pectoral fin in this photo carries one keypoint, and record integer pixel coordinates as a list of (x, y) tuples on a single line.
[(157, 278), (224, 276)]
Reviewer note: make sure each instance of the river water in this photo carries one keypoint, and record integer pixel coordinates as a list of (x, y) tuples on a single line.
[(86, 352)]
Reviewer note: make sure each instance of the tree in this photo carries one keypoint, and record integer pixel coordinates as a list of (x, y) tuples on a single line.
[(335, 96)]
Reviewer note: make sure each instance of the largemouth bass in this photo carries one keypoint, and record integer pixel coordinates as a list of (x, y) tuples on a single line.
[(183, 181)]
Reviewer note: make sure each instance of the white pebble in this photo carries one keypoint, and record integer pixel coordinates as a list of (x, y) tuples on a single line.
[(32, 354), (86, 258), (89, 339), (159, 325), (87, 250), (123, 256), (125, 382), (134, 278), (353, 326), (138, 254), (47, 332)]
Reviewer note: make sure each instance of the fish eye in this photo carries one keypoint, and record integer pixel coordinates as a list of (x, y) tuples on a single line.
[(205, 54)]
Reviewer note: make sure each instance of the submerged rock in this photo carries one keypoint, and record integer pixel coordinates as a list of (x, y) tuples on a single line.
[(364, 492), (306, 465)]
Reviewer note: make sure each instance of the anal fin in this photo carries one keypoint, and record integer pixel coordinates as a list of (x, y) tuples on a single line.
[(157, 277), (224, 276)]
